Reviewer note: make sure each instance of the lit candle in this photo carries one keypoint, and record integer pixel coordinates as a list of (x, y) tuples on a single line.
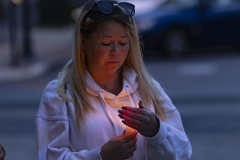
[(129, 129)]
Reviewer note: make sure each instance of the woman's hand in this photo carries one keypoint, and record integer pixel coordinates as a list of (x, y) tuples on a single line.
[(120, 148), (141, 119)]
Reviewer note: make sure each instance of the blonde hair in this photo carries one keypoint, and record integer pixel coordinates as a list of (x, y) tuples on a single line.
[(74, 72)]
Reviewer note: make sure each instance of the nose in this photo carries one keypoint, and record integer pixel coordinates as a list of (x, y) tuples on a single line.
[(115, 48)]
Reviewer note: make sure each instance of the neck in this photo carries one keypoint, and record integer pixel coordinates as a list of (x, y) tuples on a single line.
[(111, 83), (115, 87)]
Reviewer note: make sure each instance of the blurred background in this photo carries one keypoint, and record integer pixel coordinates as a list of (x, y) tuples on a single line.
[(192, 47)]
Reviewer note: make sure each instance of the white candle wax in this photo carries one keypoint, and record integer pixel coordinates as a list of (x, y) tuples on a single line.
[(129, 130)]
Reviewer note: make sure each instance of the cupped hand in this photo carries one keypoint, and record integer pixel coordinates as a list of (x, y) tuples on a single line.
[(141, 119), (120, 148)]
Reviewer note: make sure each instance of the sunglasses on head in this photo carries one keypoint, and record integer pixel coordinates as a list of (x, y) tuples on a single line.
[(107, 7)]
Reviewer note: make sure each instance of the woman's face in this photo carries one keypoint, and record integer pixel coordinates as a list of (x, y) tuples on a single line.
[(107, 54)]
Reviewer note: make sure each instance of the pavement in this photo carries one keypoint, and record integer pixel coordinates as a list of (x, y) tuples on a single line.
[(51, 48)]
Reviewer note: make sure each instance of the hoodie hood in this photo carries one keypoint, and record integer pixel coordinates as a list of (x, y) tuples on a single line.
[(130, 85)]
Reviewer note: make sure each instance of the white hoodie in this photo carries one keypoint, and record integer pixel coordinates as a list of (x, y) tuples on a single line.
[(58, 137)]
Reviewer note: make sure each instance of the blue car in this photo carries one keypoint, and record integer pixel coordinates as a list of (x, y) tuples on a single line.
[(178, 25)]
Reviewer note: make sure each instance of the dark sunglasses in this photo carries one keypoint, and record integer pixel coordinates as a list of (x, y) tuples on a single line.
[(107, 7)]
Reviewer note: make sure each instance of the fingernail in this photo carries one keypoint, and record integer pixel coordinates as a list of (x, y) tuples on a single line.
[(119, 115), (120, 111)]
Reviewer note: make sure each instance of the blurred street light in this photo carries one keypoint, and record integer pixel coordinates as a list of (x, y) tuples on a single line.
[(27, 45), (19, 22), (17, 2), (15, 56)]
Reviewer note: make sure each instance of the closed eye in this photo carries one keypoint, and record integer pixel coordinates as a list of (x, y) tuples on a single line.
[(105, 44), (123, 44)]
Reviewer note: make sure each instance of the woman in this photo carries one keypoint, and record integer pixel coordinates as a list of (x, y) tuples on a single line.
[(91, 111)]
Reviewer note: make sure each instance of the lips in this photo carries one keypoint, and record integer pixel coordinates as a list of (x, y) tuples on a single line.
[(113, 62)]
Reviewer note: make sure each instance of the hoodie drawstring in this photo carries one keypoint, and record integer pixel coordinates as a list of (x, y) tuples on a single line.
[(130, 97), (106, 108)]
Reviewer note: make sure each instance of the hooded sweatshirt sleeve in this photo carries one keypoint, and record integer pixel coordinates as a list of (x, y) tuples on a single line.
[(52, 127), (170, 142)]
